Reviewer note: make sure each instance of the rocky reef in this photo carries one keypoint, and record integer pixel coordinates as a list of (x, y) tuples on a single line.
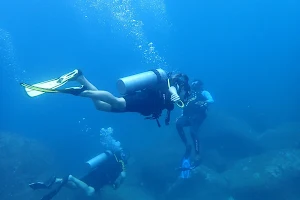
[(239, 163), (258, 166), (22, 161)]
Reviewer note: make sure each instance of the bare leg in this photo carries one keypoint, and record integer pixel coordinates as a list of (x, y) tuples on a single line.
[(69, 185), (106, 97), (103, 100), (75, 183), (83, 81)]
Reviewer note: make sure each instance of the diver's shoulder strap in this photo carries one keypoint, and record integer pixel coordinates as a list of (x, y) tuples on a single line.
[(158, 75)]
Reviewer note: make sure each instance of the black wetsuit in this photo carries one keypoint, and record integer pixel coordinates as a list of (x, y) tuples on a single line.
[(106, 173), (193, 116), (150, 102)]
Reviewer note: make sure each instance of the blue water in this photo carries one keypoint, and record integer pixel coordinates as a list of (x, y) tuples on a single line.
[(246, 53)]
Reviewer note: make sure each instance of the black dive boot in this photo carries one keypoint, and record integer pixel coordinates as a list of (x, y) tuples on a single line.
[(43, 185), (54, 192)]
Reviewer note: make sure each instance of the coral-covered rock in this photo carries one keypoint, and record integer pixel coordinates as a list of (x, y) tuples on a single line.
[(284, 136), (226, 139), (204, 183), (268, 176), (21, 162), (126, 192), (272, 175)]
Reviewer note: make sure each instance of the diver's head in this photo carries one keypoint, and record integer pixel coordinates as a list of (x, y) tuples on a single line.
[(181, 82), (124, 155), (197, 85), (117, 145), (180, 79)]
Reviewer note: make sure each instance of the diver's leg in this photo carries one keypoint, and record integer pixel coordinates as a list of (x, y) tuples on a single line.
[(103, 100), (194, 135), (43, 185), (181, 122), (100, 105), (108, 100), (83, 81), (49, 183), (194, 129), (82, 185), (69, 184)]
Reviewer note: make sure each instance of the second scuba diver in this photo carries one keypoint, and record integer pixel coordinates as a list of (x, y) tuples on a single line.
[(147, 93)]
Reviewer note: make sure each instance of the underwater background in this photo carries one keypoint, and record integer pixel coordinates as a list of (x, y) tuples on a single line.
[(245, 52)]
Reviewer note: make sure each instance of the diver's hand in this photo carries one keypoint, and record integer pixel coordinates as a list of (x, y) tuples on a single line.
[(167, 121), (175, 97), (119, 180), (116, 184)]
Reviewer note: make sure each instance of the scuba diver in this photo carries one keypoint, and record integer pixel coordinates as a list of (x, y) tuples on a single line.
[(108, 168), (193, 115), (147, 93)]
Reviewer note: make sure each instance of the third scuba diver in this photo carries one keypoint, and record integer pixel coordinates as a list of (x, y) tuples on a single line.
[(147, 93), (193, 115), (108, 168)]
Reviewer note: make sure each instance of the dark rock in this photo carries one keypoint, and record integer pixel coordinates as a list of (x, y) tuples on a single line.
[(284, 136), (21, 162), (226, 139), (272, 175), (265, 176)]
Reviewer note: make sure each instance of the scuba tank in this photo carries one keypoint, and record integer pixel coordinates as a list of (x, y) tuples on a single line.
[(141, 81), (99, 159)]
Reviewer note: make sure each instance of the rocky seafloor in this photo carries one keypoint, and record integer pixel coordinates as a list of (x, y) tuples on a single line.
[(239, 163)]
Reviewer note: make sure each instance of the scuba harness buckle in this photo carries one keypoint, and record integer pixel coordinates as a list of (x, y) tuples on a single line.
[(155, 116)]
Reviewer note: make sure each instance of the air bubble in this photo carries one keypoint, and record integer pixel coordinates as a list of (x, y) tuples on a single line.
[(123, 17)]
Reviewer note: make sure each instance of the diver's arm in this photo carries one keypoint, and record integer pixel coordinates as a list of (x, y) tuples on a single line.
[(172, 88), (174, 96), (208, 97), (123, 175), (119, 180)]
